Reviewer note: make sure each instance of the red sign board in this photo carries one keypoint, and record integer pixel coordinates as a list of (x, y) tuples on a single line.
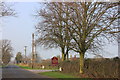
[(54, 60)]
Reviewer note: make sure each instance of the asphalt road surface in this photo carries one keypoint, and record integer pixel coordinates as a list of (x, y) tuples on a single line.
[(13, 72)]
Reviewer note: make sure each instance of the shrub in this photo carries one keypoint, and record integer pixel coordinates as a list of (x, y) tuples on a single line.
[(99, 67)]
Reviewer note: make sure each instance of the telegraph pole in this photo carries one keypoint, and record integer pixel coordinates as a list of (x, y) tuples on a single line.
[(33, 50), (25, 54)]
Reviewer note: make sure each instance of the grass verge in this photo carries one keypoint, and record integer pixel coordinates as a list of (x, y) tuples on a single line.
[(62, 76), (26, 67), (2, 66), (56, 75)]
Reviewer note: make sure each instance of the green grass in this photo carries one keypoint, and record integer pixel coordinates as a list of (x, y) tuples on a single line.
[(57, 75), (53, 74), (26, 67), (2, 66), (62, 76)]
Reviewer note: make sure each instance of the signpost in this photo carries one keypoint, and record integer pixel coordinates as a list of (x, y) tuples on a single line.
[(54, 61)]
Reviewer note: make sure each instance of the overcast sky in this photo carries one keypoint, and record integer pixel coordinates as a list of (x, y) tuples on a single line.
[(19, 30)]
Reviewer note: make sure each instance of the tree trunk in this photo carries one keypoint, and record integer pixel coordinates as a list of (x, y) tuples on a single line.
[(67, 55), (63, 54), (81, 62)]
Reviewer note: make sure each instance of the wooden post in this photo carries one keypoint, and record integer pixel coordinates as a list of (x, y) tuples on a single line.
[(25, 54), (33, 50)]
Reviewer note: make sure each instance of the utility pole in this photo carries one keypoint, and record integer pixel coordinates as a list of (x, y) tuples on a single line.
[(25, 54), (33, 50)]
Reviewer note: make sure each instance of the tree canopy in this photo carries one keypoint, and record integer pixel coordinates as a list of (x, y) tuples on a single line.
[(78, 26), (6, 10), (19, 57), (6, 49)]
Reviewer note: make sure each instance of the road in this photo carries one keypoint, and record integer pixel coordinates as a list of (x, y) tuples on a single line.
[(13, 72)]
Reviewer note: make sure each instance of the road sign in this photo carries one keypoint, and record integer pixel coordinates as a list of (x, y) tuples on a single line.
[(54, 60)]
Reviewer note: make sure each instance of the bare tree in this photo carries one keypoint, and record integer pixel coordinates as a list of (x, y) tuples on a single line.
[(89, 25), (6, 10), (92, 23), (53, 29), (6, 50)]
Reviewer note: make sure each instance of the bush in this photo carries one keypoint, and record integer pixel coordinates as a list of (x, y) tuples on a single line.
[(101, 67)]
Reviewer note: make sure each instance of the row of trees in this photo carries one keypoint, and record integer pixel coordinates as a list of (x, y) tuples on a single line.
[(28, 59), (78, 26), (5, 45)]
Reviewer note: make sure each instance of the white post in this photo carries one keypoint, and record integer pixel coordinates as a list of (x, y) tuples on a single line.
[(43, 67), (60, 69)]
